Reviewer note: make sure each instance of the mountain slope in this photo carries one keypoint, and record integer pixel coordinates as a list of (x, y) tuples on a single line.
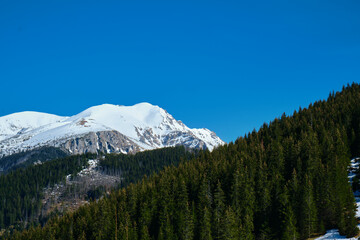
[(23, 159), (288, 180), (53, 187), (18, 123), (108, 128)]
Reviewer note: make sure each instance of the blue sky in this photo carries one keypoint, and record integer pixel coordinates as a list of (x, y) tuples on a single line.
[(225, 65)]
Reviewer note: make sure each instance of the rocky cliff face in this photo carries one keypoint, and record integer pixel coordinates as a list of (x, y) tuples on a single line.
[(115, 142), (104, 141)]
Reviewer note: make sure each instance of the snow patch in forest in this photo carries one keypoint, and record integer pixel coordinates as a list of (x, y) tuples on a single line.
[(358, 207), (333, 234), (91, 168)]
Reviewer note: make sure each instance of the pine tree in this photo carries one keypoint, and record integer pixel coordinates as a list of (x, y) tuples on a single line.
[(219, 212), (348, 226), (185, 224), (308, 220), (288, 223), (205, 225), (231, 226), (243, 200)]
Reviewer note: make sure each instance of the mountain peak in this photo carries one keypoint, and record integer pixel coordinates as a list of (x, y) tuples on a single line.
[(118, 117), (139, 127)]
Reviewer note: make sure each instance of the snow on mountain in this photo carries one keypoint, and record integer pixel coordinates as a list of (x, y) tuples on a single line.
[(19, 123), (106, 127)]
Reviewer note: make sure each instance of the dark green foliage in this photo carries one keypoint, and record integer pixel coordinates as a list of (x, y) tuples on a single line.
[(96, 193), (21, 190), (131, 168), (286, 181), (24, 159)]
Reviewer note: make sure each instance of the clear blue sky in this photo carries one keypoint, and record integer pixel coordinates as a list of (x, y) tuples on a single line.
[(225, 65)]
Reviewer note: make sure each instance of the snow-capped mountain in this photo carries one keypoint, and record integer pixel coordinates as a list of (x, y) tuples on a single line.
[(108, 128)]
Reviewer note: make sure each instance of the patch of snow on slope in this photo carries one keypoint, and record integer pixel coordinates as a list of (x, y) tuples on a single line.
[(91, 168), (22, 122), (333, 235), (87, 170), (355, 164), (207, 136)]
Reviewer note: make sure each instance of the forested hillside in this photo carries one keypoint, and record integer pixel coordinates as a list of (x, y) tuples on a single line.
[(131, 168), (286, 181), (23, 159), (22, 190)]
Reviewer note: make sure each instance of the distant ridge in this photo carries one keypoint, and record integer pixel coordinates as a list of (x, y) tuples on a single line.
[(107, 128)]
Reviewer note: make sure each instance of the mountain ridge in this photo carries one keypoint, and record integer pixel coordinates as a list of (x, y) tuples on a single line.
[(106, 127)]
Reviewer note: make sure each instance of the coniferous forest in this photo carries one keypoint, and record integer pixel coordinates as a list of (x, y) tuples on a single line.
[(131, 168), (288, 180), (21, 190), (24, 159)]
